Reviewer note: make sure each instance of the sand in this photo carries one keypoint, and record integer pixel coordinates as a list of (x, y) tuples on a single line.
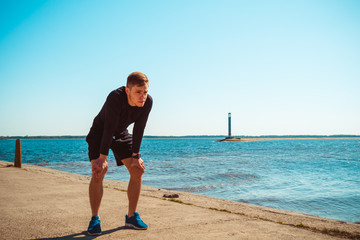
[(42, 203)]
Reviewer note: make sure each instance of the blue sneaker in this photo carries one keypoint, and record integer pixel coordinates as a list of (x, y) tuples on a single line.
[(94, 226), (135, 222)]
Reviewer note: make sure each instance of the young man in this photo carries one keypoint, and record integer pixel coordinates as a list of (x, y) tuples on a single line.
[(123, 106)]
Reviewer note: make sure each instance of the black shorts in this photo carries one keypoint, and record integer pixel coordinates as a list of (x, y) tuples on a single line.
[(122, 148)]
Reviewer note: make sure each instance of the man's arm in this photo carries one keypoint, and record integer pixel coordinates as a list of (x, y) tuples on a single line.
[(138, 132), (111, 112), (139, 126)]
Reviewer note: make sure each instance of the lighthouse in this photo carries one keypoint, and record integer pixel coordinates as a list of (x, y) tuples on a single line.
[(229, 123), (229, 138)]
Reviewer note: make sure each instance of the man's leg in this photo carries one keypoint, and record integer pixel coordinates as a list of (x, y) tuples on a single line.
[(95, 196), (96, 191), (134, 187)]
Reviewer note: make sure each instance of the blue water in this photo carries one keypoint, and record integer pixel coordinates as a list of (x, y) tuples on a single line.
[(318, 177)]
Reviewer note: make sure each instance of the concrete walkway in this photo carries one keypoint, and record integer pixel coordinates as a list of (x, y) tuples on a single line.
[(41, 203)]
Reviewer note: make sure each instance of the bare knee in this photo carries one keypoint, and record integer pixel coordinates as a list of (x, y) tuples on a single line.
[(98, 177), (136, 174)]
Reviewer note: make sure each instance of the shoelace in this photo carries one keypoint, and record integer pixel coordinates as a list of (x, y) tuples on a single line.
[(137, 217), (94, 222)]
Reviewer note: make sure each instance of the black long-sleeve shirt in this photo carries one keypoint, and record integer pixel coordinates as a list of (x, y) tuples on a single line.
[(115, 117)]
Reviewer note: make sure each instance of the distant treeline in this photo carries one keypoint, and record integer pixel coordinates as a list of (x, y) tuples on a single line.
[(246, 136), (301, 136), (189, 136)]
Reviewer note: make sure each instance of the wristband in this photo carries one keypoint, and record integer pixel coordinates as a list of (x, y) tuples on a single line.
[(137, 156)]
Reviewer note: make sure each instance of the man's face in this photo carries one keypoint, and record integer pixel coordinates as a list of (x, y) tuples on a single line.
[(137, 95)]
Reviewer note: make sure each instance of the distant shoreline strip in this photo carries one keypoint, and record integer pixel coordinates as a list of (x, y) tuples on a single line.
[(222, 137), (251, 139)]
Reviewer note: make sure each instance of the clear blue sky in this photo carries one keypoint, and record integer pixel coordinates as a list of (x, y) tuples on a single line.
[(280, 67)]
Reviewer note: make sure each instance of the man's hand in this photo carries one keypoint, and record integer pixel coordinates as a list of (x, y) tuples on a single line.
[(139, 163), (99, 166)]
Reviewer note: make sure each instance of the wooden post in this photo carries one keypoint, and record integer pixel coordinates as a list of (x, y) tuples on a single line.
[(18, 153)]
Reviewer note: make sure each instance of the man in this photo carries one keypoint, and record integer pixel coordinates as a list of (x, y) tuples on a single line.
[(123, 106)]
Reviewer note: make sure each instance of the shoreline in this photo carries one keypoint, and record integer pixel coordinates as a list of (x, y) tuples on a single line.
[(252, 139), (36, 192)]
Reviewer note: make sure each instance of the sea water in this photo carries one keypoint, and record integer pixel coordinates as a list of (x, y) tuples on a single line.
[(318, 177)]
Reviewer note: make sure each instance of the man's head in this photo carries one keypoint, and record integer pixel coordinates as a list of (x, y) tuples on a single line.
[(137, 89), (137, 78)]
